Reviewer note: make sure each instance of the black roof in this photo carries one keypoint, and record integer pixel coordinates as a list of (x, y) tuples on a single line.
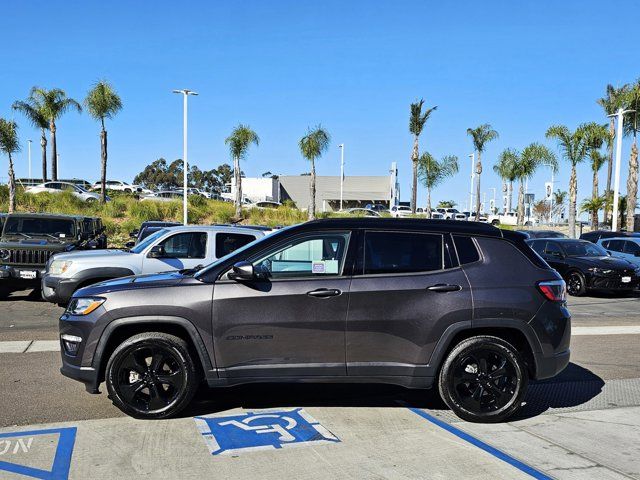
[(559, 239), (453, 226)]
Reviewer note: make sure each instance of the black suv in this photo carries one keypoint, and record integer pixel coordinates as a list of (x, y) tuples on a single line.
[(464, 306), (27, 242)]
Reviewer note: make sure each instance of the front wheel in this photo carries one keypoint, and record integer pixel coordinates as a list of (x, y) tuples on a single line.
[(576, 284), (151, 375), (484, 379)]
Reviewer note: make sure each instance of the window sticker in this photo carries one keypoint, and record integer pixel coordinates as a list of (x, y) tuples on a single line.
[(318, 266)]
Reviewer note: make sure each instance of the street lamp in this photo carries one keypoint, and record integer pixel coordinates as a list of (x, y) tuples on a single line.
[(29, 149), (185, 165), (472, 156), (341, 147), (553, 171), (616, 185)]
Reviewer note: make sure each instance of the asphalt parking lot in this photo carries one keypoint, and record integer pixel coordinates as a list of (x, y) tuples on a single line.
[(583, 424)]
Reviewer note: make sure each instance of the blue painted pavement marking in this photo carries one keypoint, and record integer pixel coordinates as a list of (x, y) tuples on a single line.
[(523, 467), (267, 429), (61, 461)]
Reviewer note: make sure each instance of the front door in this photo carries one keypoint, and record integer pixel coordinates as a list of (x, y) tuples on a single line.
[(291, 320), (181, 250), (406, 294)]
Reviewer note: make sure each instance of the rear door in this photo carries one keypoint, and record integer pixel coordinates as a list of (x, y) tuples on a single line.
[(407, 291)]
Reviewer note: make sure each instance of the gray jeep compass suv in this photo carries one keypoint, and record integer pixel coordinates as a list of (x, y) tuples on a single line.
[(462, 306)]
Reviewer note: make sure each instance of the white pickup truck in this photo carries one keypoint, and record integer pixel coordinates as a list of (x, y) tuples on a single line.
[(510, 218), (174, 248)]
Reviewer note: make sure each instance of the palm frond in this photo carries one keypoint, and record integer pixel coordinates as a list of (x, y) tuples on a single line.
[(241, 138), (314, 143), (417, 118), (9, 143), (481, 135), (102, 101)]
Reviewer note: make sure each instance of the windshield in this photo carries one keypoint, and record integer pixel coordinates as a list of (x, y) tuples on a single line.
[(148, 241), (583, 249), (57, 227)]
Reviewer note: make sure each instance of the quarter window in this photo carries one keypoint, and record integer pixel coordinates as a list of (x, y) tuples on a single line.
[(615, 245), (400, 252), (466, 248), (631, 248), (553, 250), (186, 245), (228, 242), (317, 256)]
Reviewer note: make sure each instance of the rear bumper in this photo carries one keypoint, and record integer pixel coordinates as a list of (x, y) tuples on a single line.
[(547, 367)]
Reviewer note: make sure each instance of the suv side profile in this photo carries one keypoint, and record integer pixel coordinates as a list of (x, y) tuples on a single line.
[(417, 303)]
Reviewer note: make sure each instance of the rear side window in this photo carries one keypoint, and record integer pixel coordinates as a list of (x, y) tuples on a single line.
[(402, 252), (615, 245), (466, 248), (631, 248), (228, 242)]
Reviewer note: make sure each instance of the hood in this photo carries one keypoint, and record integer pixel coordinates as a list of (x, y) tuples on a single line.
[(134, 282), (92, 255), (607, 262), (35, 243)]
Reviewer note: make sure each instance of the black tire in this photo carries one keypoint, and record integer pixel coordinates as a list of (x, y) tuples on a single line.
[(469, 384), (495, 223), (158, 356), (576, 284)]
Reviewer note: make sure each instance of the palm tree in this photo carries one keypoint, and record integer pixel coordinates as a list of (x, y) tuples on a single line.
[(417, 119), (631, 126), (9, 145), (532, 157), (480, 137), (597, 135), (593, 205), (610, 103), (573, 146), (312, 146), (239, 142), (33, 109), (432, 172), (54, 104), (505, 169), (103, 102)]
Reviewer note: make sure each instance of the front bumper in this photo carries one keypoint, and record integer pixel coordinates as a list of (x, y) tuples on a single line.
[(86, 375), (613, 282), (58, 289), (21, 275)]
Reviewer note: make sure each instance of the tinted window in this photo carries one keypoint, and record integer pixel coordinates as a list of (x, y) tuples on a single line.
[(186, 245), (320, 255), (228, 242), (584, 249), (397, 252), (614, 245), (39, 226), (538, 246), (467, 250), (631, 248), (553, 249)]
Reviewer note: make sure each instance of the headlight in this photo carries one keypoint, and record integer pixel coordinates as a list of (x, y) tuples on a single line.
[(600, 271), (4, 254), (84, 305), (58, 267)]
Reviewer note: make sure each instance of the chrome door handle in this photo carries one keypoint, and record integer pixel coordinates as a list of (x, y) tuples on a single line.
[(324, 292), (443, 287)]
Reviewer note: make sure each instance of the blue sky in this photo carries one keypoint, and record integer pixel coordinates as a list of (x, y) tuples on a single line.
[(353, 66)]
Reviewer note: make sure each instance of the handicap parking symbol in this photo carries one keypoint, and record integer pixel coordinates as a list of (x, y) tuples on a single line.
[(262, 430)]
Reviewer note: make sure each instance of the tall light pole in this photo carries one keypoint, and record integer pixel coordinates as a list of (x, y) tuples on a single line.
[(494, 200), (185, 164), (29, 150), (553, 171), (616, 185), (341, 147), (472, 156)]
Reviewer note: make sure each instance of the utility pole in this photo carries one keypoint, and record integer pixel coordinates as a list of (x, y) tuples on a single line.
[(472, 156), (616, 185), (185, 164), (341, 147)]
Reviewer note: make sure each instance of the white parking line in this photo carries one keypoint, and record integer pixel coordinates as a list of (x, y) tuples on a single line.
[(608, 330), (16, 346)]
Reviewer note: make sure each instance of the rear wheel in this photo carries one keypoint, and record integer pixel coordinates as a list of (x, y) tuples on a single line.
[(576, 284), (151, 375), (484, 379)]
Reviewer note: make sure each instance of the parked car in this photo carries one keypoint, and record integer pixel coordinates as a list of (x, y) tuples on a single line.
[(418, 303), (482, 218), (460, 216), (448, 213), (376, 207), (264, 204), (627, 248), (596, 235), (437, 216), (542, 234), (59, 187), (362, 212), (586, 266), (164, 196), (197, 191), (28, 240), (118, 186), (95, 233), (146, 229), (399, 211), (172, 248)]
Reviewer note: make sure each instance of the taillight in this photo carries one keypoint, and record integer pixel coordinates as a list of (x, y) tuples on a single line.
[(553, 290)]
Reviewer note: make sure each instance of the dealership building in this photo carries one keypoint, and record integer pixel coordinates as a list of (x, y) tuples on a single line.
[(356, 191)]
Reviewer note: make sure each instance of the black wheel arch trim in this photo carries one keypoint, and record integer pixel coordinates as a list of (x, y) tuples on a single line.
[(98, 362), (101, 272)]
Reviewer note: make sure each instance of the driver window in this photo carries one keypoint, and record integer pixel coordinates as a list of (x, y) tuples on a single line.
[(553, 250), (317, 256), (186, 245)]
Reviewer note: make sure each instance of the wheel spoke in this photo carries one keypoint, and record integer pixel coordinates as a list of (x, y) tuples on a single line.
[(493, 390), (169, 378), (157, 361), (156, 401), (498, 373), (129, 391), (134, 362)]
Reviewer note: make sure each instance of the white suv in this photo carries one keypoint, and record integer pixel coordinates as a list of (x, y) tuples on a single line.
[(118, 185), (59, 187), (174, 248)]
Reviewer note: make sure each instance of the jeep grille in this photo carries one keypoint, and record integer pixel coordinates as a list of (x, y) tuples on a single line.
[(29, 257)]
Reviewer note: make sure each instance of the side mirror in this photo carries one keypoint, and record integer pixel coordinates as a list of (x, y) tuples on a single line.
[(134, 233), (242, 271), (157, 251), (130, 245)]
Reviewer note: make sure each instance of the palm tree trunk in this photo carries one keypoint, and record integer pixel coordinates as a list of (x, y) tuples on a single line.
[(43, 145), (520, 214), (594, 196), (103, 151), (632, 186), (573, 195), (612, 133), (478, 174), (428, 200), (414, 182), (510, 197), (238, 182), (54, 152), (12, 186), (312, 191)]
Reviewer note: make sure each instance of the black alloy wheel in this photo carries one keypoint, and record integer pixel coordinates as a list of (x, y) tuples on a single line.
[(484, 379), (576, 284), (151, 375)]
